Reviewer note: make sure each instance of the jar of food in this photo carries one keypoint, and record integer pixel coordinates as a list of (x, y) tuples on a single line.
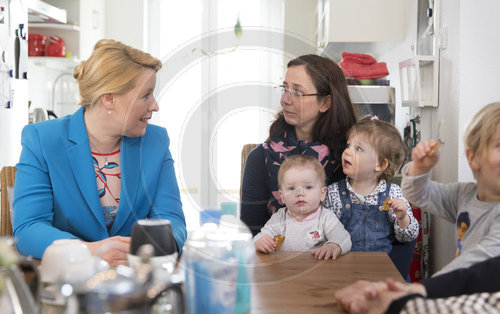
[(36, 45)]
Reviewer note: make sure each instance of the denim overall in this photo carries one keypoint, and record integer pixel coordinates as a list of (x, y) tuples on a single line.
[(369, 227)]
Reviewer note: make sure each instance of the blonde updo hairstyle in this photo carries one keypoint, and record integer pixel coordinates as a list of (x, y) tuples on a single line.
[(480, 131), (111, 68)]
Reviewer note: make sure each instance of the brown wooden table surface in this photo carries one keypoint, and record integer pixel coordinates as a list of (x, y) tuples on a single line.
[(295, 282)]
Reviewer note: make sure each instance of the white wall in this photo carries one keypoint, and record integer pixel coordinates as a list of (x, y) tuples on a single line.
[(93, 25), (479, 63), (126, 22), (300, 20)]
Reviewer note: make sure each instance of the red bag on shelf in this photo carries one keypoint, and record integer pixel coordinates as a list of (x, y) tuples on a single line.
[(36, 45), (57, 47)]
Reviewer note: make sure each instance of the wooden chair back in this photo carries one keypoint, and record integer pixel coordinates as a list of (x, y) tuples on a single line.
[(7, 177), (247, 148)]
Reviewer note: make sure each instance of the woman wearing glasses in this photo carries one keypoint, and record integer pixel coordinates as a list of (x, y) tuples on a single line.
[(315, 117)]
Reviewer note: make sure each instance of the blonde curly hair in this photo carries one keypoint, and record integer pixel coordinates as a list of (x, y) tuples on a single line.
[(480, 131)]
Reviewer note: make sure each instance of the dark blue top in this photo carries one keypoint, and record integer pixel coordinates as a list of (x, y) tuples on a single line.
[(474, 279), (255, 191)]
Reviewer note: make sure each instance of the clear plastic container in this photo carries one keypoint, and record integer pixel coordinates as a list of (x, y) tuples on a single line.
[(218, 261), (244, 250)]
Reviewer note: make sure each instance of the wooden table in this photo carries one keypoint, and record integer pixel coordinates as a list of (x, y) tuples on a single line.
[(295, 282)]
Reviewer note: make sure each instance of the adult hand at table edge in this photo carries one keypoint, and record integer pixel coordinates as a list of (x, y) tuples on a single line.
[(394, 285), (348, 296), (374, 297), (113, 250), (379, 296)]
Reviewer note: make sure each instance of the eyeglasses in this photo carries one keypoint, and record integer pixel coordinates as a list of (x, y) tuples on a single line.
[(293, 93)]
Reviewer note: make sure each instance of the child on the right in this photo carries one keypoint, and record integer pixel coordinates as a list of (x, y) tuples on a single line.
[(480, 200)]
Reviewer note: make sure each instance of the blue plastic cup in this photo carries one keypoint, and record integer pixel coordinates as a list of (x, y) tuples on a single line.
[(210, 215), (229, 208)]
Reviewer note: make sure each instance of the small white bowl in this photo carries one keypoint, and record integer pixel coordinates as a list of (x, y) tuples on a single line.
[(79, 271), (59, 254)]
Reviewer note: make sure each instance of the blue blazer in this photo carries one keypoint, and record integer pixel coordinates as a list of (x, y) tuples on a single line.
[(55, 191)]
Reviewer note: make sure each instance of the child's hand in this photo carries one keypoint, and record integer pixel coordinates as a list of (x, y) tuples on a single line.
[(398, 205), (265, 244), (327, 251), (424, 158)]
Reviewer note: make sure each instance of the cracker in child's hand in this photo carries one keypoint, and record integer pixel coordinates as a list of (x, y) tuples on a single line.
[(386, 205), (278, 239), (433, 149)]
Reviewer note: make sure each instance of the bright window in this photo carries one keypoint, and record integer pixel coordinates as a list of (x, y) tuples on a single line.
[(215, 91)]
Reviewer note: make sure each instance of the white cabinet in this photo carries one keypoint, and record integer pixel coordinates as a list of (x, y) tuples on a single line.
[(360, 21), (92, 25), (51, 85), (85, 25)]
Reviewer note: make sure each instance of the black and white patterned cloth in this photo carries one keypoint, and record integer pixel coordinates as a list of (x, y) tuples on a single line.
[(479, 303)]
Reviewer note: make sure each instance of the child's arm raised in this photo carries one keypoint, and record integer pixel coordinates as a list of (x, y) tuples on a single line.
[(440, 199), (424, 157)]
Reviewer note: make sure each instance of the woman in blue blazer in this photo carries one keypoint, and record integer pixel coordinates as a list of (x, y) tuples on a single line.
[(92, 174)]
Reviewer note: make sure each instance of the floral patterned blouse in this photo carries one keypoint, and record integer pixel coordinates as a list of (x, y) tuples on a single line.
[(107, 173)]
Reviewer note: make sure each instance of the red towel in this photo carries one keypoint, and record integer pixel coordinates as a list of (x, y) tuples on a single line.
[(362, 66), (358, 58), (360, 71)]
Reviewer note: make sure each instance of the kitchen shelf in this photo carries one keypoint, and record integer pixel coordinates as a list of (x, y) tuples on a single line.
[(70, 33), (39, 11), (55, 26), (374, 100), (63, 64), (371, 94), (360, 21), (419, 76)]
